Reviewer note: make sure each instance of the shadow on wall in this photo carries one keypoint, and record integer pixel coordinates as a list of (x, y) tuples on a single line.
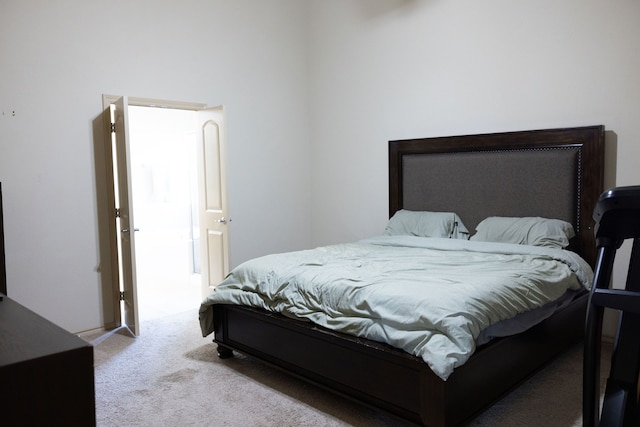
[(376, 8), (104, 203), (610, 158)]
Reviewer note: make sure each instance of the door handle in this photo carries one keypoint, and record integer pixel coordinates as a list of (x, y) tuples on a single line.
[(126, 230), (223, 220)]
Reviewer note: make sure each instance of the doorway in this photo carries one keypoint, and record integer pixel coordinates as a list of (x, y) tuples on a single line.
[(208, 136), (165, 207)]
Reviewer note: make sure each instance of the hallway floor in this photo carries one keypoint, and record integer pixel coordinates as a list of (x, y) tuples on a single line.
[(165, 279)]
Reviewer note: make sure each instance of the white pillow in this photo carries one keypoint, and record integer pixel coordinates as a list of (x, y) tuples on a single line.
[(426, 224), (534, 231)]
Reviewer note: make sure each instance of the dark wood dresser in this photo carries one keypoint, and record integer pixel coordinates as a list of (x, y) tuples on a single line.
[(3, 268), (46, 373)]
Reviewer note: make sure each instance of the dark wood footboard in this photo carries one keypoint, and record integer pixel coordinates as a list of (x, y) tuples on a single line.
[(390, 379)]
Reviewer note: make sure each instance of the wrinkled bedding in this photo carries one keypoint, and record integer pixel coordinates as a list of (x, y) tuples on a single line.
[(431, 297)]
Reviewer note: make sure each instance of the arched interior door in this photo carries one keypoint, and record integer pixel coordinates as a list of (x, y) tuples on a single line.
[(214, 219)]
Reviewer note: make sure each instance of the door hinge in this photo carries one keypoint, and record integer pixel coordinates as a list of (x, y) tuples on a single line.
[(113, 127), (121, 295), (117, 212)]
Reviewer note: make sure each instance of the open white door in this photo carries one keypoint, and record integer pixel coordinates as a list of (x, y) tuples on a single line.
[(124, 214), (214, 220)]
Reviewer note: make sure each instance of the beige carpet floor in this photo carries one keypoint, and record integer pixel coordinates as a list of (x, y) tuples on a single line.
[(171, 376)]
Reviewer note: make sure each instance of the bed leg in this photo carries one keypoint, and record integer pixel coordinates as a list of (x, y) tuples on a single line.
[(224, 352)]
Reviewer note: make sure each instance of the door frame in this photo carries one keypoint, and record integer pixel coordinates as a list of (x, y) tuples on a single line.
[(150, 102)]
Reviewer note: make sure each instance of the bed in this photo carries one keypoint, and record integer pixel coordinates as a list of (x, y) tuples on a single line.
[(555, 173)]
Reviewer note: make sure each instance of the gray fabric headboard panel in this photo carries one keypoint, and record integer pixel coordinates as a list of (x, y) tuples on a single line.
[(540, 182), (552, 173)]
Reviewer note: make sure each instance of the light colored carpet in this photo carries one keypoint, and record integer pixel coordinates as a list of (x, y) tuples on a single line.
[(171, 376)]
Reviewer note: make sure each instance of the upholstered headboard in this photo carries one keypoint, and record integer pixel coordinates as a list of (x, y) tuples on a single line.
[(555, 173)]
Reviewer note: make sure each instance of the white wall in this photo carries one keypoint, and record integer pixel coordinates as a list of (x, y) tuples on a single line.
[(58, 58), (394, 69)]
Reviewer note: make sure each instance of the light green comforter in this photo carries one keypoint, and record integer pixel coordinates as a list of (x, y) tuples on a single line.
[(430, 297)]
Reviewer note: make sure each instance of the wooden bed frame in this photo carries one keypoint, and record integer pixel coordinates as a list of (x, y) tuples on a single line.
[(556, 173)]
